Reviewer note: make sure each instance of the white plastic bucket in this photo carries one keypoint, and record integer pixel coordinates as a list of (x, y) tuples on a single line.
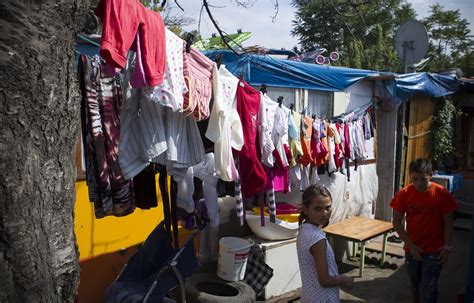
[(233, 255)]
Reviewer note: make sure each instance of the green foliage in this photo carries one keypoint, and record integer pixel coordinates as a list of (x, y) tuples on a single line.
[(361, 30), (450, 45), (442, 130)]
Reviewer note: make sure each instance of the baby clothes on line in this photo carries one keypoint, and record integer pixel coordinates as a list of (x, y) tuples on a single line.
[(225, 127), (170, 92), (198, 71), (280, 133), (266, 119)]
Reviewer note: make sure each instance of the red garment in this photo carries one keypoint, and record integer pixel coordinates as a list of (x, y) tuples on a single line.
[(424, 214), (122, 21), (347, 141), (252, 174)]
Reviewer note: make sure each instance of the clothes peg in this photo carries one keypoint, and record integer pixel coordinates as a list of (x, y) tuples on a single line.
[(189, 41), (280, 100), (263, 88), (291, 106), (218, 59)]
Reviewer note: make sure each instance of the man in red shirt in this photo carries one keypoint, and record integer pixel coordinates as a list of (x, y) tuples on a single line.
[(428, 210)]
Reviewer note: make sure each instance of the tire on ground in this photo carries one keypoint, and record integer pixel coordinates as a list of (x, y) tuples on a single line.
[(242, 292)]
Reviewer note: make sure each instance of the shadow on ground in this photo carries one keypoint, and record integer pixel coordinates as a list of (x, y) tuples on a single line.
[(390, 286)]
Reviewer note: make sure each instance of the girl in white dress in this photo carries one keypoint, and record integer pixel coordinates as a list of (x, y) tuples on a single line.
[(318, 268)]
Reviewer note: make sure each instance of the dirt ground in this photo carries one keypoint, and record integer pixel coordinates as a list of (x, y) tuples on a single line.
[(387, 285), (391, 286)]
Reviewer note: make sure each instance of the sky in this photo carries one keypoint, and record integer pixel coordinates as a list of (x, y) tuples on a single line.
[(258, 18)]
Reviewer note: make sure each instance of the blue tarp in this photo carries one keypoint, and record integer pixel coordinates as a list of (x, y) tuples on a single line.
[(404, 86), (261, 69)]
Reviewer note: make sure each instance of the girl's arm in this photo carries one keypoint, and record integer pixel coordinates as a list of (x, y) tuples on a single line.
[(318, 250)]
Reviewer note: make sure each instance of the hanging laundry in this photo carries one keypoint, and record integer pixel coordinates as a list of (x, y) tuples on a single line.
[(306, 134), (153, 133), (294, 123), (122, 20), (266, 119), (280, 133), (205, 171), (280, 138), (170, 92), (111, 193), (198, 70), (142, 135), (252, 175), (225, 127), (183, 140), (144, 187)]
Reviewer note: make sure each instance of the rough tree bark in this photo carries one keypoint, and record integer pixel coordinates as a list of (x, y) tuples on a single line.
[(39, 109)]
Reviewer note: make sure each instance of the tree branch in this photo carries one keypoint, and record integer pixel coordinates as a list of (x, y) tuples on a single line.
[(221, 33), (276, 9)]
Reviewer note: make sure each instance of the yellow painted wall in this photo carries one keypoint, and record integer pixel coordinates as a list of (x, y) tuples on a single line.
[(109, 234), (106, 244)]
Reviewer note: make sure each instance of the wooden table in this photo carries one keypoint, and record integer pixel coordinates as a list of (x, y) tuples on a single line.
[(359, 230)]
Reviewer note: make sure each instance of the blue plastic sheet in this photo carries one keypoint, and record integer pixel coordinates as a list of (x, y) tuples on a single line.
[(262, 69), (404, 86)]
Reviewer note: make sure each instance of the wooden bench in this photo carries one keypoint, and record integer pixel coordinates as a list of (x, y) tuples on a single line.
[(359, 230)]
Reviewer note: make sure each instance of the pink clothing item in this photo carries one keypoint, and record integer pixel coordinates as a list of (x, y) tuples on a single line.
[(122, 21), (138, 77), (198, 77), (252, 174), (281, 179)]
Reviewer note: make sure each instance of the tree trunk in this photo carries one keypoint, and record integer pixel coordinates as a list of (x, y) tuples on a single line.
[(39, 110)]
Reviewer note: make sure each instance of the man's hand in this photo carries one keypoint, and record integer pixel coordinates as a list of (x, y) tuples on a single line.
[(444, 254), (415, 252)]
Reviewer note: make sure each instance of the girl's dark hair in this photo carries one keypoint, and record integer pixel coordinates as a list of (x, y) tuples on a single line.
[(313, 191)]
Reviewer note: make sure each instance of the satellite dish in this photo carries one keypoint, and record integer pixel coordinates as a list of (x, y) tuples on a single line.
[(411, 42), (320, 59)]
